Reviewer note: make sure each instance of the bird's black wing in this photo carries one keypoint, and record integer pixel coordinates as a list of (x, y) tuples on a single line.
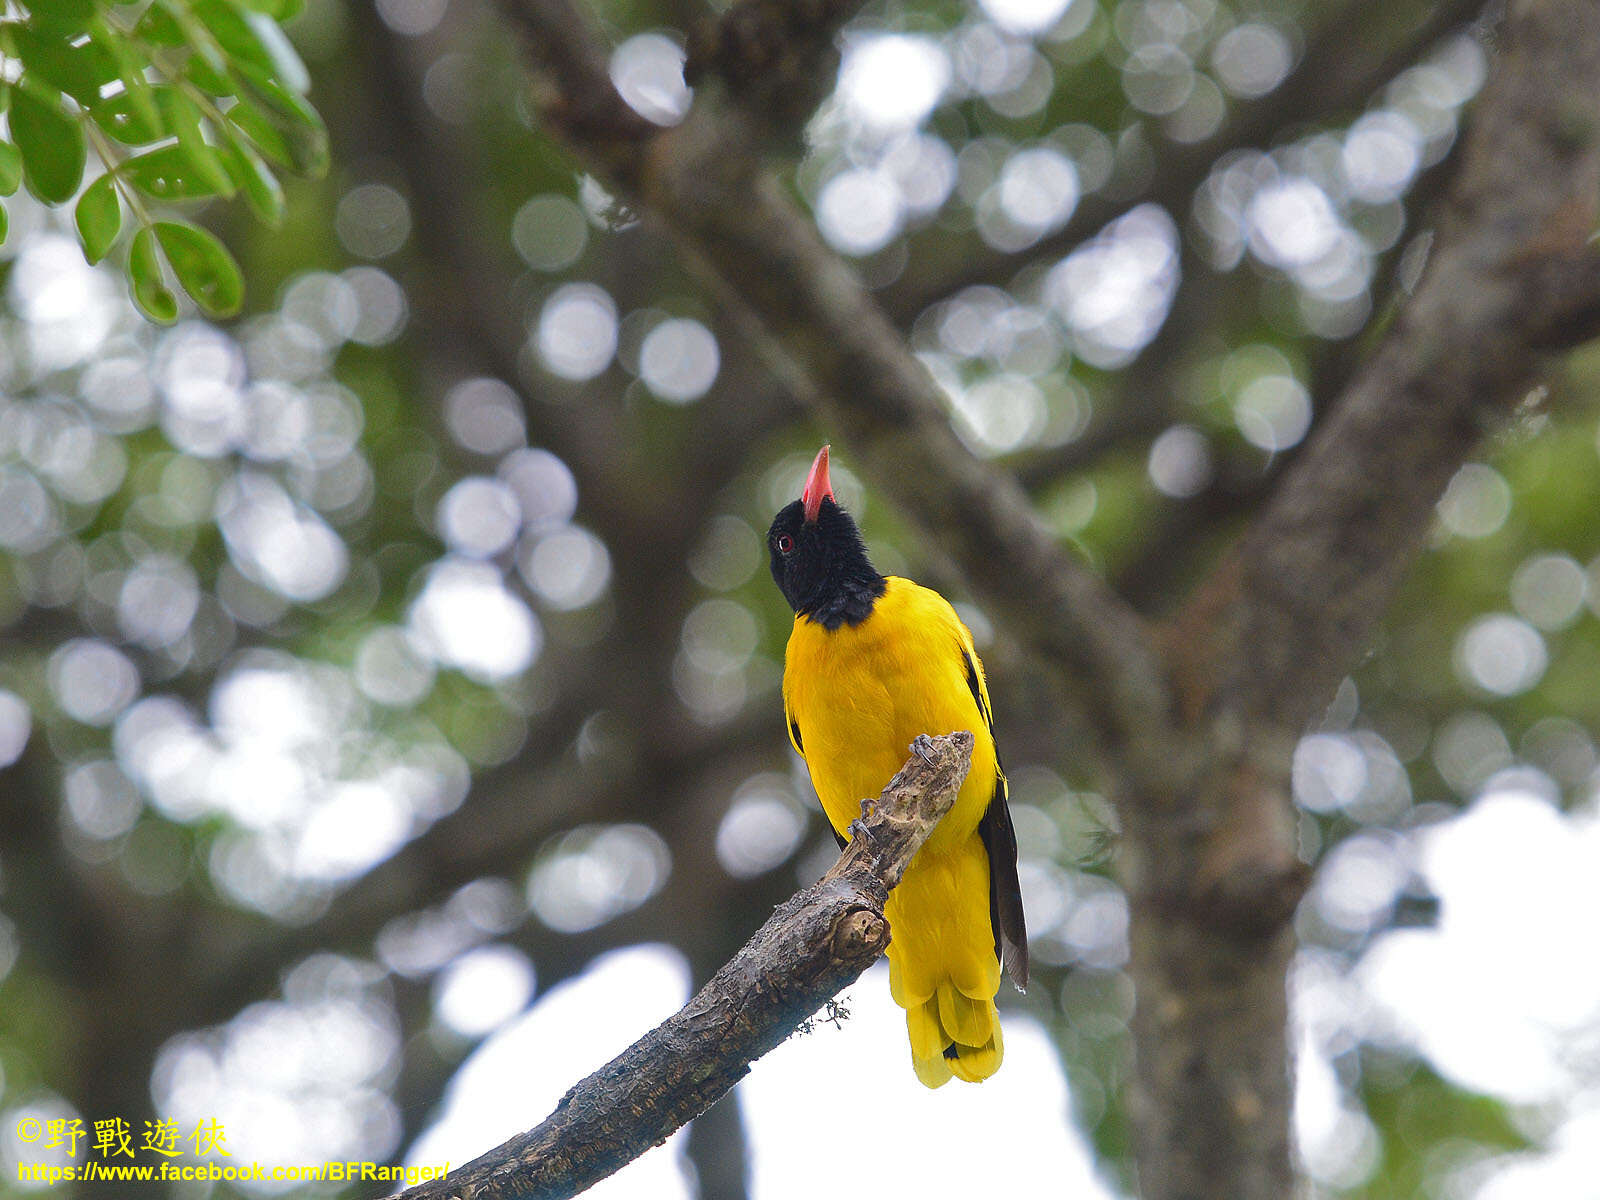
[(1000, 840), (799, 745)]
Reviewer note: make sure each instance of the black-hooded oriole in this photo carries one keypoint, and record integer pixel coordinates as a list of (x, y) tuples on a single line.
[(873, 661)]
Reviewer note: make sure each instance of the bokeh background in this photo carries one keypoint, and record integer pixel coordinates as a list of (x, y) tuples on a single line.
[(389, 716)]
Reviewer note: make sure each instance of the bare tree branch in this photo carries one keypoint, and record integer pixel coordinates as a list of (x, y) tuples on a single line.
[(813, 945), (698, 885)]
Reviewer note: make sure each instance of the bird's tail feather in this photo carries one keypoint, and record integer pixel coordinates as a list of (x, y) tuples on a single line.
[(954, 1034), (942, 965)]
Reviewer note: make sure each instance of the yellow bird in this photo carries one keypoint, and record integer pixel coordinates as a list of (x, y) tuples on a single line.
[(874, 661)]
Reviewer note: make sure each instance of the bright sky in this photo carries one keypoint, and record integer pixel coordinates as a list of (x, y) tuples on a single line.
[(840, 1102)]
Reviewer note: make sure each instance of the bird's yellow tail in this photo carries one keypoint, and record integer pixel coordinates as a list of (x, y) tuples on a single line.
[(942, 965), (954, 1034)]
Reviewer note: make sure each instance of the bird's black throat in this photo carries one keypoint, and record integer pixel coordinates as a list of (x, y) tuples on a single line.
[(824, 573)]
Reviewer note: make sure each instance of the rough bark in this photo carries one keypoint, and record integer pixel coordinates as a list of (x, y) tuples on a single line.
[(816, 942)]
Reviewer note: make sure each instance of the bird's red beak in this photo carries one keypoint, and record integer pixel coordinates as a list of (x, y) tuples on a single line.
[(818, 487)]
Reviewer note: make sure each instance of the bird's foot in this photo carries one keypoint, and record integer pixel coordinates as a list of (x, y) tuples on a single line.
[(861, 827)]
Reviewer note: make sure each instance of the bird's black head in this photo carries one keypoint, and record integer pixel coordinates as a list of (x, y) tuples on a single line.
[(818, 558)]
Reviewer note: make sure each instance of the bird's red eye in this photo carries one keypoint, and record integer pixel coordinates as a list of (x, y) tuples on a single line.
[(785, 543)]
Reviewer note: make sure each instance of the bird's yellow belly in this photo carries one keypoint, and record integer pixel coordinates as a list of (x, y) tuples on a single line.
[(846, 781), (861, 711), (857, 696)]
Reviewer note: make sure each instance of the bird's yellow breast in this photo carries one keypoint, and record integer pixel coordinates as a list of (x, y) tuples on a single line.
[(859, 694)]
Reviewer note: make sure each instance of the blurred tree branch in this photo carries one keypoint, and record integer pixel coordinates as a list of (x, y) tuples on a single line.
[(1343, 66), (813, 945), (1327, 80), (1149, 397), (512, 813), (1211, 862), (1197, 720), (778, 59), (1514, 276), (704, 179)]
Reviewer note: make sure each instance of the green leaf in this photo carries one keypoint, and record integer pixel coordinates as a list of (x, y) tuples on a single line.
[(207, 78), (195, 34), (98, 218), (80, 69), (53, 150), (150, 291), (130, 64), (278, 10), (260, 132), (158, 26), (1422, 1115), (184, 118), (5, 225), (204, 267), (10, 168), (302, 130), (206, 67), (262, 191), (62, 16), (130, 121), (234, 34), (167, 173), (291, 71)]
